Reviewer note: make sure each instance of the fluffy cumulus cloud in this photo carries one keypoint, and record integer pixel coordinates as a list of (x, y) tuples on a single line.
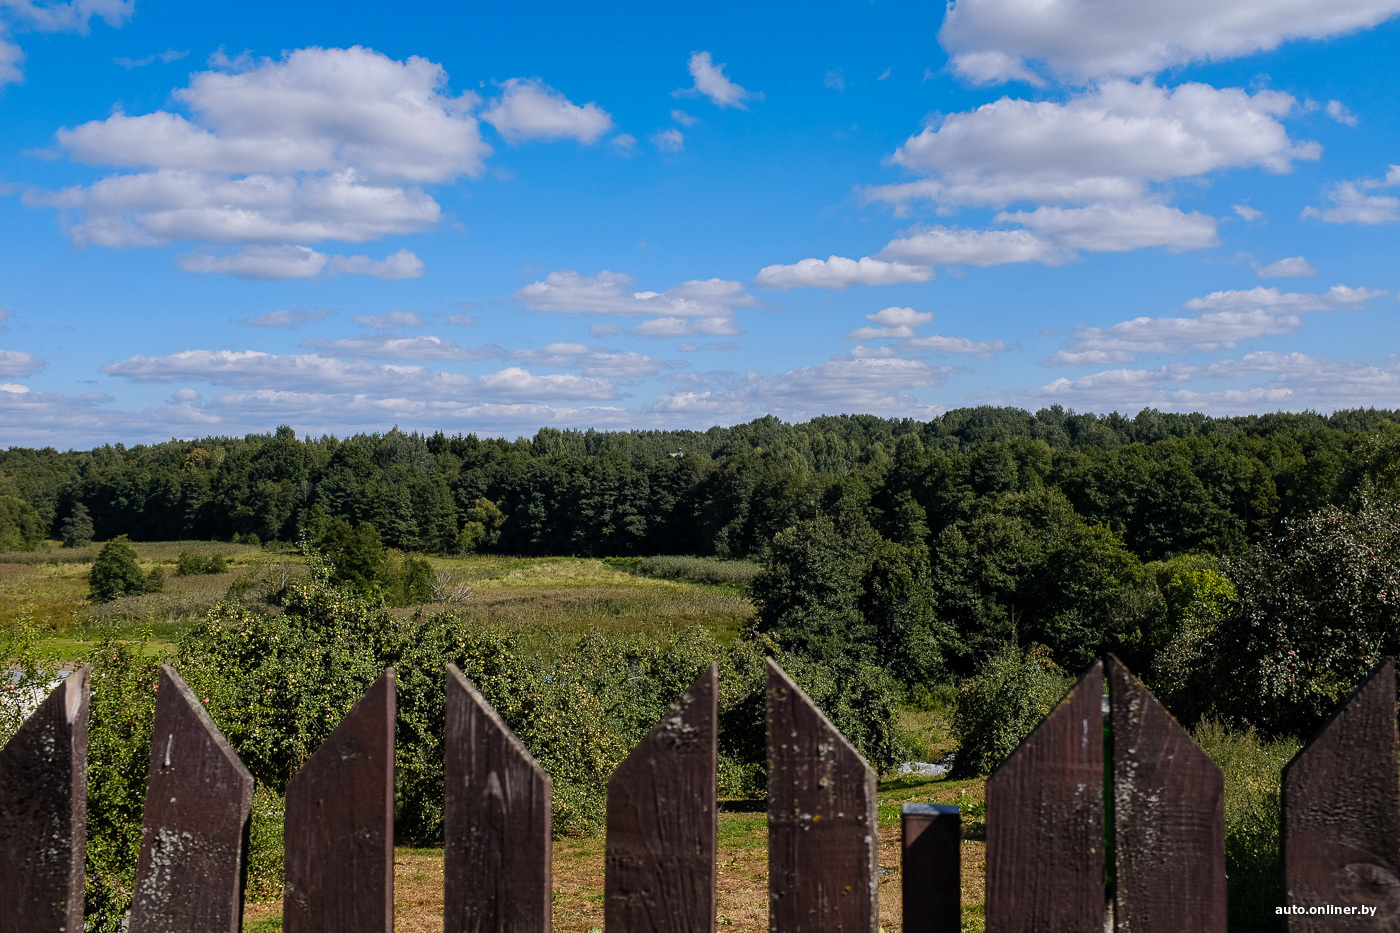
[(712, 82), (840, 272), (1079, 40), (17, 363), (534, 110), (300, 262), (698, 307), (320, 144), (1291, 267), (1352, 202), (938, 246), (902, 325), (1226, 319), (1107, 144), (72, 16), (1118, 228)]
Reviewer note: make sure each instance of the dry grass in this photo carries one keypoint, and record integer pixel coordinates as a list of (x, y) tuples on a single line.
[(742, 886)]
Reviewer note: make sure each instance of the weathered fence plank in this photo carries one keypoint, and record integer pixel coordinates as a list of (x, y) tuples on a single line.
[(496, 814), (339, 837), (43, 814), (1168, 818), (189, 878), (931, 868), (1045, 839), (822, 827), (1340, 829), (662, 822)]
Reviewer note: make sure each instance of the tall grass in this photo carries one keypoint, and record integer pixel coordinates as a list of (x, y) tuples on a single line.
[(711, 570), (1252, 766)]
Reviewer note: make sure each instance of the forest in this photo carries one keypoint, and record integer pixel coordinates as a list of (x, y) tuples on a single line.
[(1247, 568)]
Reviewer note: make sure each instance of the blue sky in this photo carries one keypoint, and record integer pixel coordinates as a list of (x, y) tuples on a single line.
[(215, 220)]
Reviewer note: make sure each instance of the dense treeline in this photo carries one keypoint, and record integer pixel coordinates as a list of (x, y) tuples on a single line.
[(1165, 484)]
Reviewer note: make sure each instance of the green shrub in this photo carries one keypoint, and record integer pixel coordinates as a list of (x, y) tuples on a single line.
[(77, 528), (115, 573), (191, 563), (1014, 691), (21, 529)]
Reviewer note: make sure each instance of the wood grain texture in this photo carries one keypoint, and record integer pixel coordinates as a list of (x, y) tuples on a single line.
[(43, 814), (931, 868), (822, 827), (496, 812), (1340, 830), (1168, 818), (189, 878), (339, 836), (662, 822), (1045, 838)]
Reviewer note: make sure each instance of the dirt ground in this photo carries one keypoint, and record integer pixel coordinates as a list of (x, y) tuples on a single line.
[(742, 886)]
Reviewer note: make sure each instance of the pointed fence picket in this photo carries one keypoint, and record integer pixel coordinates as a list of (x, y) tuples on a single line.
[(1046, 812)]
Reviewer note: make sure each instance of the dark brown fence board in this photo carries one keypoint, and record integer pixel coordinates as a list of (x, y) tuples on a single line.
[(1045, 839), (339, 837), (189, 878), (43, 814), (1341, 815), (931, 868), (660, 863), (822, 827), (496, 814), (1168, 818)]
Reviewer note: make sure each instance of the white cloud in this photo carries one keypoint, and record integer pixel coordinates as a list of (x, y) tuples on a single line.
[(253, 369), (1246, 212), (16, 363), (931, 246), (1265, 382), (1001, 40), (1352, 205), (534, 110), (1289, 268), (73, 16), (156, 208), (611, 293), (600, 362), (939, 344), (299, 262), (686, 327), (683, 118), (289, 317), (166, 57), (395, 347), (1119, 227), (671, 140), (314, 110), (835, 80), (891, 322), (1106, 144), (840, 272), (1338, 111), (711, 81), (843, 384), (461, 320), (390, 320), (1227, 318), (321, 144)]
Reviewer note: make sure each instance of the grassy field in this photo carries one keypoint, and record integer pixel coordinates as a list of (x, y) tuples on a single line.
[(545, 600)]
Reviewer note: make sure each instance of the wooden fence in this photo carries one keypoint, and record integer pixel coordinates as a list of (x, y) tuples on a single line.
[(1046, 812)]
